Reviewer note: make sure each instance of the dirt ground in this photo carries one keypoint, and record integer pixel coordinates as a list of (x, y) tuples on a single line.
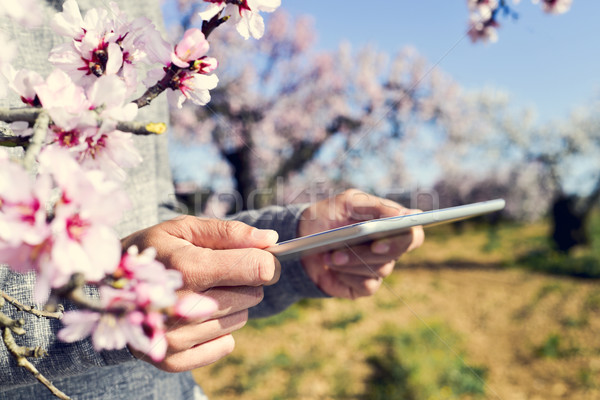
[(537, 335)]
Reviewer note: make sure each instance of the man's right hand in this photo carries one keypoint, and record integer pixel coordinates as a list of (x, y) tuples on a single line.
[(223, 260)]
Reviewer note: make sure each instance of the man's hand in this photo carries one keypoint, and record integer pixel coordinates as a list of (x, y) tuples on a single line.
[(359, 270), (220, 259)]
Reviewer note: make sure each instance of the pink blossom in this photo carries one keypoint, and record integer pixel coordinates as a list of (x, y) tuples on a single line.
[(83, 240), (23, 227), (194, 87), (195, 306), (135, 303), (103, 43), (113, 331), (65, 101), (246, 16), (153, 342), (75, 237), (205, 65), (75, 113), (193, 46), (190, 68), (483, 30), (69, 22), (484, 8), (153, 284), (23, 82), (555, 6)]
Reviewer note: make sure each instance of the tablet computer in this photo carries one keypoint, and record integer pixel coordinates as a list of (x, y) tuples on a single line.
[(378, 229)]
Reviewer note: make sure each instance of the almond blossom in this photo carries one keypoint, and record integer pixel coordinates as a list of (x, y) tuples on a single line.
[(59, 223), (103, 42), (84, 121), (244, 13), (555, 6), (194, 87), (484, 15), (135, 302), (23, 217), (192, 46), (189, 70), (83, 240)]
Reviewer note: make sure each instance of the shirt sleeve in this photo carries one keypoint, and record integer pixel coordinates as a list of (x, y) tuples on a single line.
[(294, 284), (63, 359)]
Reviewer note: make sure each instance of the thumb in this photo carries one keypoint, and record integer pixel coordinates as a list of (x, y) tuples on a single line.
[(220, 234)]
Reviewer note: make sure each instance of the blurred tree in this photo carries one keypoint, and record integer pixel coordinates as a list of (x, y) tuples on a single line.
[(551, 169), (569, 153), (283, 115)]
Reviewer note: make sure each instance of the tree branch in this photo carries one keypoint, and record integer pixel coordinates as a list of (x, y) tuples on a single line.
[(74, 291), (32, 310), (21, 353), (31, 115), (8, 326), (40, 129), (160, 86), (214, 23), (305, 150)]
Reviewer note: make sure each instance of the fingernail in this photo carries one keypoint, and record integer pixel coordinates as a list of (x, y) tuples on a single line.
[(267, 235), (340, 258), (381, 247)]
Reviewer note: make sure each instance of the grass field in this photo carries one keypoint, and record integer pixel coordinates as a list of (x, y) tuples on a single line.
[(469, 315)]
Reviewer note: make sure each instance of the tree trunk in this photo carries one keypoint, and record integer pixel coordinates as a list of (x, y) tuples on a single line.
[(245, 184), (569, 223)]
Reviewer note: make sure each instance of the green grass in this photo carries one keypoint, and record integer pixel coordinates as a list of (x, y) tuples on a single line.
[(582, 262), (512, 244), (249, 375), (422, 362), (554, 346)]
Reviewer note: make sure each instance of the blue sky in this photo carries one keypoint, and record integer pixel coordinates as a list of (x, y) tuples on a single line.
[(548, 62)]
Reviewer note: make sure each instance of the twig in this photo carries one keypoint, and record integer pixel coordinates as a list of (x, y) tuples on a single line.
[(143, 128), (32, 310), (214, 23), (7, 139), (40, 129), (27, 114), (15, 325), (74, 291), (154, 91), (31, 115), (21, 353)]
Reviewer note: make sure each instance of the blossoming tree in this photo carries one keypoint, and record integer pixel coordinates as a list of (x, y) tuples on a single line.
[(292, 118)]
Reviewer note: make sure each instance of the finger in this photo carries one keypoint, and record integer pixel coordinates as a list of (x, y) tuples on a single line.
[(361, 206), (186, 336), (198, 356), (375, 253), (381, 270), (418, 234), (202, 269), (359, 286), (220, 234), (229, 301)]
